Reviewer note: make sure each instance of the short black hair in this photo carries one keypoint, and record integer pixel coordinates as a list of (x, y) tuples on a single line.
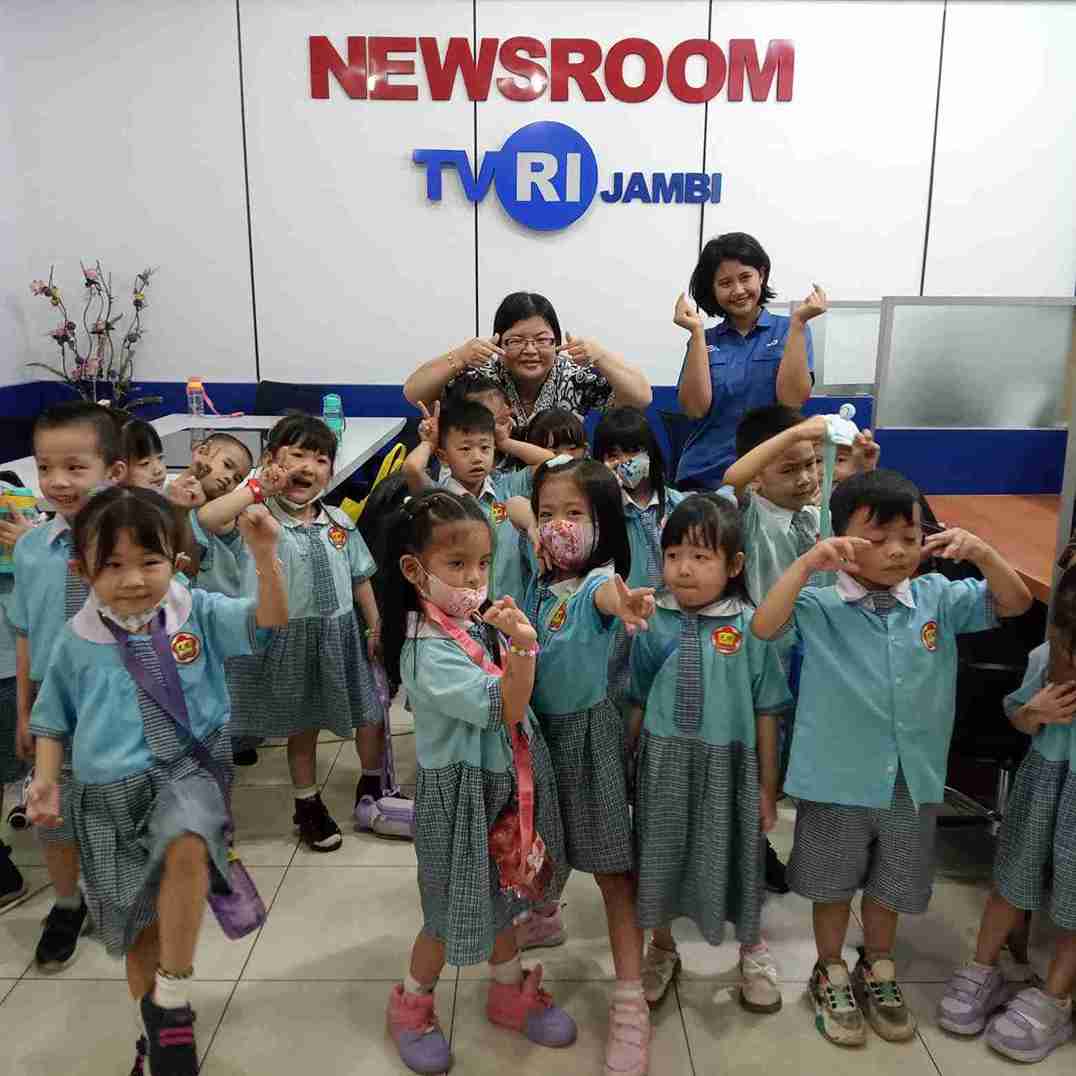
[(234, 441), (467, 416), (556, 426), (732, 246), (140, 440), (714, 522), (760, 424), (84, 413), (300, 430), (467, 388), (521, 305), (602, 490), (627, 429), (887, 495)]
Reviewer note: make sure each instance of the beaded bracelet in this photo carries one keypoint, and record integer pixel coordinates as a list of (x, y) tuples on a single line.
[(521, 653)]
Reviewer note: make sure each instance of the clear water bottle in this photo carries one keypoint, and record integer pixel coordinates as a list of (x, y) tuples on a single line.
[(332, 414), (196, 408)]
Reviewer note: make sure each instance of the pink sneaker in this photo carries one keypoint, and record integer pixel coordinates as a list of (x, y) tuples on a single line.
[(413, 1025), (627, 1050), (540, 931), (527, 1008)]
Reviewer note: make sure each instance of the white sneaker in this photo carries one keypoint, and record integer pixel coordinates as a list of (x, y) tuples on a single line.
[(759, 991), (660, 967)]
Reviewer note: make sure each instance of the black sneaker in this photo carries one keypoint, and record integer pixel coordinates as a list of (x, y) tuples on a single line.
[(170, 1038), (775, 872), (248, 756), (316, 826), (368, 786), (12, 883), (59, 940)]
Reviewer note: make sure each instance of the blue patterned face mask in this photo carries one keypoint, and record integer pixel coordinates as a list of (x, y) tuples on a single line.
[(633, 470)]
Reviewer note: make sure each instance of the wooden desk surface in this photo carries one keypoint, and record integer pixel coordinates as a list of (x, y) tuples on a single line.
[(1022, 528)]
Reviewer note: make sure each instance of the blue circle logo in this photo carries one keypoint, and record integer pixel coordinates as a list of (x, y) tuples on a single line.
[(546, 176)]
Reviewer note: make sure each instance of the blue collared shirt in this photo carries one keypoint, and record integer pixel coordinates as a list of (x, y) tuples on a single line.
[(743, 375), (878, 694)]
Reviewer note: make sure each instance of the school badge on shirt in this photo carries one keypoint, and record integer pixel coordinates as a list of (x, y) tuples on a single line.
[(727, 639), (338, 537), (185, 647), (499, 511), (929, 635), (560, 615)]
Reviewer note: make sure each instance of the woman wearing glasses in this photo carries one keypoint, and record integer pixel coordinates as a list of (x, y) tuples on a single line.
[(535, 365)]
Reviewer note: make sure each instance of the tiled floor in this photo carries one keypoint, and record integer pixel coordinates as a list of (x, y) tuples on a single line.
[(308, 991)]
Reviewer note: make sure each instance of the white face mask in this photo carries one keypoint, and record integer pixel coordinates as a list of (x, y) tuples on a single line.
[(132, 621), (459, 602)]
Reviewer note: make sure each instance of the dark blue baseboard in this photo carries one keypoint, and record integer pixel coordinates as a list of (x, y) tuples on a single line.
[(938, 461)]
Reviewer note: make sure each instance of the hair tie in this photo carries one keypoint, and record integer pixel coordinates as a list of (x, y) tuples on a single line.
[(560, 461)]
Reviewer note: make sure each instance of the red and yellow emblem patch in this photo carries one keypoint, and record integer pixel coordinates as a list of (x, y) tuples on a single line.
[(727, 639), (929, 635), (338, 537), (499, 511), (560, 615), (185, 647)]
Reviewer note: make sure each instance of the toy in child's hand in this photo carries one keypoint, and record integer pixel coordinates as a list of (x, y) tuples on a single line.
[(429, 427), (841, 430), (186, 491), (258, 528), (636, 605)]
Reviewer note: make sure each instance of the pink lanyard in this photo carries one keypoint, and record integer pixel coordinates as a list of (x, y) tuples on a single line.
[(521, 751)]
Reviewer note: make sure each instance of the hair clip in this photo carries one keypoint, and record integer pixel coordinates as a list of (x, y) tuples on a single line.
[(560, 461)]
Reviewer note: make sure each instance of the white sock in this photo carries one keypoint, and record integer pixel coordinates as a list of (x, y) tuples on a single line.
[(627, 990), (371, 773), (508, 972), (69, 904), (413, 986), (172, 991), (307, 793)]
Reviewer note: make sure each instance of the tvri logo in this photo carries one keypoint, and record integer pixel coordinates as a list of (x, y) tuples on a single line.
[(546, 176)]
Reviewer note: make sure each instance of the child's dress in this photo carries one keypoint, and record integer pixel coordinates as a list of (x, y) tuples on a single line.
[(137, 783), (315, 672), (582, 727), (12, 768), (1035, 866), (465, 779), (702, 678)]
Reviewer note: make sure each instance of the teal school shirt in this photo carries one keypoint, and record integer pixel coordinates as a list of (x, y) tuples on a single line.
[(877, 695), (639, 536), (1056, 743), (223, 560), (769, 545), (89, 696)]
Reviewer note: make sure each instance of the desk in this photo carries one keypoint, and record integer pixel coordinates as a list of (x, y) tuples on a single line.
[(1022, 528), (363, 437)]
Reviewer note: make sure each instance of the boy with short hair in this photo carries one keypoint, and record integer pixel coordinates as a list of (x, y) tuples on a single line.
[(77, 449), (873, 723)]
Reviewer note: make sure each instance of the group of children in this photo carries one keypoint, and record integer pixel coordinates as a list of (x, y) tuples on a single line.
[(605, 675)]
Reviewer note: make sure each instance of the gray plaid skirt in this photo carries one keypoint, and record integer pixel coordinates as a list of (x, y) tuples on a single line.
[(1035, 866), (315, 674), (12, 768), (698, 839), (589, 751), (619, 671), (124, 829), (463, 904)]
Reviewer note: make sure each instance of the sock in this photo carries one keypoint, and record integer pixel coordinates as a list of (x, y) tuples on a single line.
[(628, 990), (509, 972), (1064, 1004), (413, 986), (69, 904), (172, 991), (307, 793)]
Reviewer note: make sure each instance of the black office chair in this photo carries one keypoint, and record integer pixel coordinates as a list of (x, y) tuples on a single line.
[(678, 428), (278, 397)]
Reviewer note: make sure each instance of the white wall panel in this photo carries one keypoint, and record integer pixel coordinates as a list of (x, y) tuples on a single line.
[(128, 149), (11, 369), (834, 182), (616, 272), (1003, 220), (357, 277)]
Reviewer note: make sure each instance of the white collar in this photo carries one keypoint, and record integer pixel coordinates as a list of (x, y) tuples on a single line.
[(852, 590), (782, 515), (567, 587), (722, 607), (57, 527), (326, 514), (454, 485), (87, 624), (630, 502)]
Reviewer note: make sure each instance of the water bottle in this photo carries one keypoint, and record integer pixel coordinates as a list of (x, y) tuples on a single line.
[(196, 408), (18, 501), (332, 414)]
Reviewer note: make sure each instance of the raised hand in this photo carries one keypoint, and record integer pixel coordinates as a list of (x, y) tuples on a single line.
[(511, 622), (479, 351), (186, 491), (955, 544), (835, 555), (13, 526), (636, 605), (581, 352), (273, 479), (814, 304), (429, 429), (866, 451), (259, 530), (687, 315)]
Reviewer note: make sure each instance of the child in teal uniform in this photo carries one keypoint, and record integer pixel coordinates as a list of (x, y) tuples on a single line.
[(873, 722), (317, 672), (557, 430), (77, 450), (466, 712), (1035, 866), (625, 443), (708, 694), (150, 767), (575, 607), (144, 455)]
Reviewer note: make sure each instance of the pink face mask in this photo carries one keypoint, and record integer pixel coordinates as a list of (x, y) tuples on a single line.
[(460, 602), (569, 542)]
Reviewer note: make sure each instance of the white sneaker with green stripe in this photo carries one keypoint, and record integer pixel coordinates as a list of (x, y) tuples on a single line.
[(837, 1016)]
